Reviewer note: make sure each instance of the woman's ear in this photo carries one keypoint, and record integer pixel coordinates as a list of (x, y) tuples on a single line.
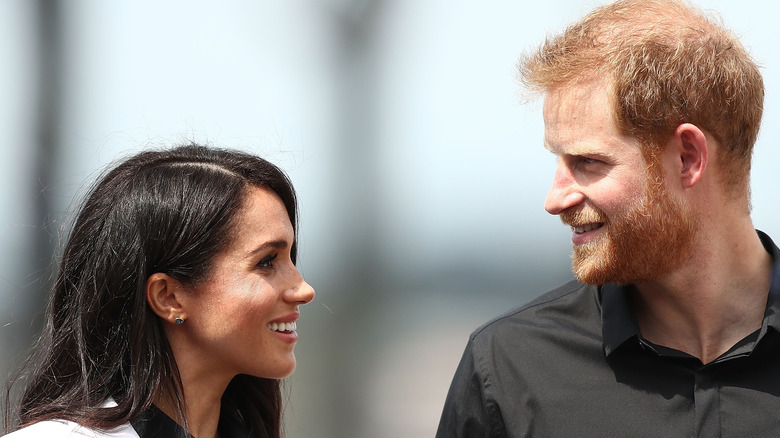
[(691, 146), (163, 294)]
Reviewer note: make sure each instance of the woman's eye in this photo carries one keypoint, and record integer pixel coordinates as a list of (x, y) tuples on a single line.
[(267, 262)]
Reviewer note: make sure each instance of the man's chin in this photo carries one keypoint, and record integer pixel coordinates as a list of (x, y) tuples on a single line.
[(591, 275), (590, 261), (589, 269), (602, 267), (597, 265)]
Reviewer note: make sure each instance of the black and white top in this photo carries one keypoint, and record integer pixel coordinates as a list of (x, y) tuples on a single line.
[(153, 424)]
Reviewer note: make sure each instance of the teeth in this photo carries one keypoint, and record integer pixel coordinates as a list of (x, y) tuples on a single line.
[(283, 326), (584, 228)]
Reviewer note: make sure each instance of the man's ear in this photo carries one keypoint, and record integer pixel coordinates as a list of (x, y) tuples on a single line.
[(691, 149), (163, 294)]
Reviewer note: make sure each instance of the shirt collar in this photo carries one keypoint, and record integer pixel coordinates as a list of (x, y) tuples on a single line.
[(772, 315), (619, 323)]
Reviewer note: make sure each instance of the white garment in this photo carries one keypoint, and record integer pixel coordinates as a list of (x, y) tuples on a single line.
[(69, 429)]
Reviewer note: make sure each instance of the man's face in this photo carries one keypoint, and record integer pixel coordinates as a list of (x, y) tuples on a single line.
[(626, 227)]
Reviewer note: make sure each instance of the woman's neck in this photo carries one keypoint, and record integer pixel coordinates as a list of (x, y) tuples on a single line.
[(202, 404)]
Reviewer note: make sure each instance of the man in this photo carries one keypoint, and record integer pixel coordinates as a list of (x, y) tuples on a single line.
[(672, 327)]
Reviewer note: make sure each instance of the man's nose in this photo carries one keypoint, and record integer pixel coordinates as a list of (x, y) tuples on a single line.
[(564, 193)]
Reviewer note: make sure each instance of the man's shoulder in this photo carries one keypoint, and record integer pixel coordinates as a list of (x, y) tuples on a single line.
[(574, 302)]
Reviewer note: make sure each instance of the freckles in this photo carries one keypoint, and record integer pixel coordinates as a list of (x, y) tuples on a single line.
[(244, 286), (253, 297)]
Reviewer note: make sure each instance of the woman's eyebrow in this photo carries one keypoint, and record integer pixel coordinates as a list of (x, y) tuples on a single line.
[(275, 244)]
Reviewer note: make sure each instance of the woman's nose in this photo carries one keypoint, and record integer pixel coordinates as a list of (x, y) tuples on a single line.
[(301, 293)]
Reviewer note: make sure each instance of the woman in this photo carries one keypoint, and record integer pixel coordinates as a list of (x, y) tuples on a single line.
[(174, 310)]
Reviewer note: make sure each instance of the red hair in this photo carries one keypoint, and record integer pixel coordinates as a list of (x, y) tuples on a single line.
[(666, 63)]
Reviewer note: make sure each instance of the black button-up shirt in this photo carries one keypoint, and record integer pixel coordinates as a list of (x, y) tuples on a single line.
[(573, 363)]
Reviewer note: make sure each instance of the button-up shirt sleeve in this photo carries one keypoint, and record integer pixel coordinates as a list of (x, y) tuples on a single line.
[(469, 411)]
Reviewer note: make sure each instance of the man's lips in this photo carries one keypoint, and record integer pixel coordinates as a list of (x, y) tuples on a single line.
[(584, 233), (584, 228), (586, 223)]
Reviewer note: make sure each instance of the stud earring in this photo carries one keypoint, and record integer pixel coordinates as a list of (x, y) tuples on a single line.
[(179, 321)]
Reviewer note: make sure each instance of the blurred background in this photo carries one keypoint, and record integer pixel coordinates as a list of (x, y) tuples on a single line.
[(421, 177)]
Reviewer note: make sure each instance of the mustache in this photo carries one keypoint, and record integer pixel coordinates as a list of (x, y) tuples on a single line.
[(582, 216)]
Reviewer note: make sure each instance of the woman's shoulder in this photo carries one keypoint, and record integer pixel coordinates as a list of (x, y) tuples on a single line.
[(57, 429)]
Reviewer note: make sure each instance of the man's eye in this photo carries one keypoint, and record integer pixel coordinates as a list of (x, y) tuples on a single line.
[(267, 262), (580, 160)]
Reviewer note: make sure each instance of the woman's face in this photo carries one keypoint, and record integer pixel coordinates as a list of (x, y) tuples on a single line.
[(241, 319)]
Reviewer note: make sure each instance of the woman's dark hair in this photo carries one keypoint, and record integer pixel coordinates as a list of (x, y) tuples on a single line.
[(167, 211)]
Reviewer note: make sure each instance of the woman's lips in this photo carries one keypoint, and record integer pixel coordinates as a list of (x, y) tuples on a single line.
[(286, 327), (283, 326)]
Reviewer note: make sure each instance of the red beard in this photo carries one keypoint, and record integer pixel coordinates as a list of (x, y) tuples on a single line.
[(645, 243)]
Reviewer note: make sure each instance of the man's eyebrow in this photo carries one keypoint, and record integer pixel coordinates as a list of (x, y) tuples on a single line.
[(580, 151), (557, 151)]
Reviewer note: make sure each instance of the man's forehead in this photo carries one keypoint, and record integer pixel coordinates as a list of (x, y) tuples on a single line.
[(580, 120), (585, 84)]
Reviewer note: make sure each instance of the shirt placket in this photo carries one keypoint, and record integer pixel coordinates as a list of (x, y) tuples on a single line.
[(706, 399)]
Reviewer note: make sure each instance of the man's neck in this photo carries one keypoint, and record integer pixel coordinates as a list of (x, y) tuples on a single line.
[(712, 302)]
